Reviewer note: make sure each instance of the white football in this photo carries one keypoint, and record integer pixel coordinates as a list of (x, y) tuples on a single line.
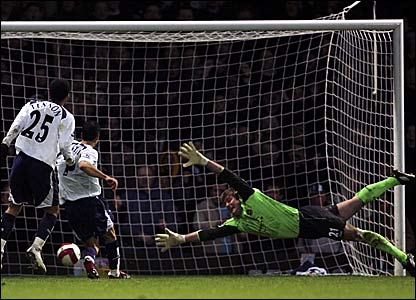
[(68, 254)]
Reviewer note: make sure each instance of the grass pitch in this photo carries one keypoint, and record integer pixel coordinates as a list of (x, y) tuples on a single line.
[(208, 287)]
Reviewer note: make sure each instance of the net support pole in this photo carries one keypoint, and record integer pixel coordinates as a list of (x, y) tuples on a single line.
[(399, 163)]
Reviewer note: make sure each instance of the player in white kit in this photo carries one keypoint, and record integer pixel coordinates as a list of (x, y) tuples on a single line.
[(86, 209), (43, 129)]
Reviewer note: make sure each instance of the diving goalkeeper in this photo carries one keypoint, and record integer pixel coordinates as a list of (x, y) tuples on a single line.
[(256, 213)]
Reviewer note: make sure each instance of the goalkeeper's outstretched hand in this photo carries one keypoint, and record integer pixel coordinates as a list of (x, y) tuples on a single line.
[(189, 151), (168, 240)]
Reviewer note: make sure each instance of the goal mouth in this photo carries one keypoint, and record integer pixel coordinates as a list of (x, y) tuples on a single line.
[(308, 111)]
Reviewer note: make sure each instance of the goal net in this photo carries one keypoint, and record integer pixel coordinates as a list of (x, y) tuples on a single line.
[(303, 112)]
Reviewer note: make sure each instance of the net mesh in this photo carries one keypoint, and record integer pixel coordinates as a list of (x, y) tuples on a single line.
[(293, 113)]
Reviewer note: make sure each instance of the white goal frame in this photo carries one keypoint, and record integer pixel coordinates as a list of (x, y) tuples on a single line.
[(395, 25)]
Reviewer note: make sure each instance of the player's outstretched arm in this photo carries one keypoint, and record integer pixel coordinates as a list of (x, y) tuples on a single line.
[(91, 170), (170, 239), (194, 157)]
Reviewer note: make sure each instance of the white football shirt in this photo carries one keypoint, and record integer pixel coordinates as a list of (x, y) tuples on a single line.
[(74, 183), (43, 129)]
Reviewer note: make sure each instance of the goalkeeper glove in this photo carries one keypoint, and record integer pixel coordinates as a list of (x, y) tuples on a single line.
[(169, 239), (189, 151)]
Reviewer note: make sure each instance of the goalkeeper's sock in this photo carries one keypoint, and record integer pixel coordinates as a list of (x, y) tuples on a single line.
[(113, 255), (7, 224), (381, 243), (46, 226), (372, 191)]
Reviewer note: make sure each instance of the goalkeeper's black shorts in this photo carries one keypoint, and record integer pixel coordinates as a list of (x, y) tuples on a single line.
[(316, 222)]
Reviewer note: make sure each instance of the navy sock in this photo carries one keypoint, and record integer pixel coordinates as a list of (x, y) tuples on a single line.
[(89, 251), (46, 226), (113, 255), (7, 224)]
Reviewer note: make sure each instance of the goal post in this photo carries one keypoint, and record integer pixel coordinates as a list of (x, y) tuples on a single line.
[(309, 94)]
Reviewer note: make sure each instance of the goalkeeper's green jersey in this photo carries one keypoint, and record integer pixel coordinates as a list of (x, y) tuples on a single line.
[(262, 215), (265, 216)]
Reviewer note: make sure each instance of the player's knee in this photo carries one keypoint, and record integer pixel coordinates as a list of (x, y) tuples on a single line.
[(110, 236), (351, 233), (357, 234), (13, 209), (53, 210), (369, 237), (92, 242)]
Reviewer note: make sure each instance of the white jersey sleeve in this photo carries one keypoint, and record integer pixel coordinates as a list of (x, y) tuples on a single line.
[(75, 184), (40, 125), (66, 134)]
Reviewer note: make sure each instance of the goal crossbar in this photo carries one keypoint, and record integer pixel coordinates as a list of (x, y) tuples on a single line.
[(86, 26)]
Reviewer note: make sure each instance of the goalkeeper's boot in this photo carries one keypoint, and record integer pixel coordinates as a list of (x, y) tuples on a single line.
[(402, 177), (89, 266), (409, 265), (121, 275), (35, 258)]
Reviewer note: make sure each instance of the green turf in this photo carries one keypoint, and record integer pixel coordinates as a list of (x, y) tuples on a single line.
[(199, 287)]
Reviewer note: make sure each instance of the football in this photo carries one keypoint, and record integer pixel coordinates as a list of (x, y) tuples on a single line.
[(68, 254)]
